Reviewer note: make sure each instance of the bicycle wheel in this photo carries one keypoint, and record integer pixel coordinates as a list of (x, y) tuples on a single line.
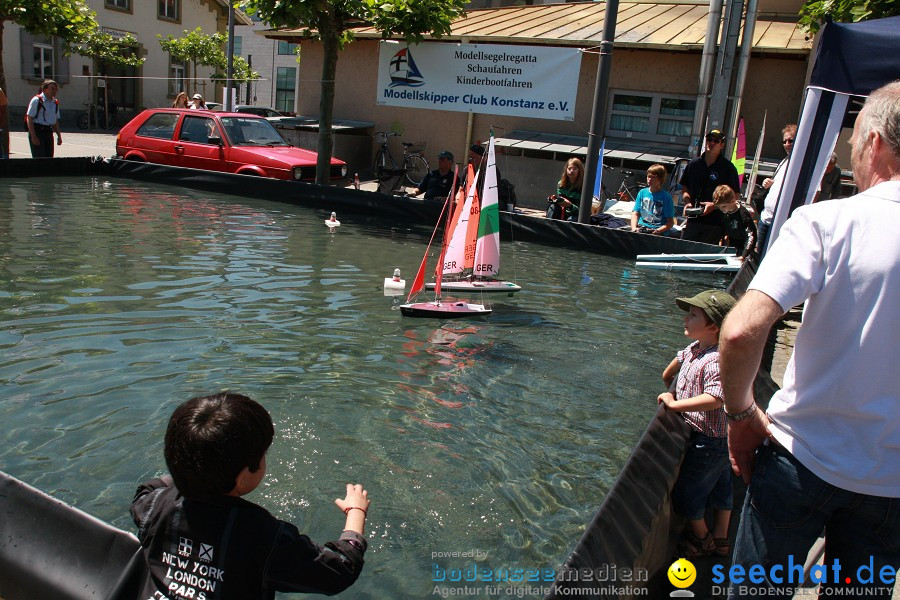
[(416, 169), (381, 168), (624, 195), (83, 121)]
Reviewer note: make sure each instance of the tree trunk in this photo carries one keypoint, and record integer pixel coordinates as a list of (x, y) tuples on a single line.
[(326, 106)]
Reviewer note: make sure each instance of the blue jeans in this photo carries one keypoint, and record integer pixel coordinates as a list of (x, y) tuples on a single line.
[(787, 507), (705, 478), (762, 237)]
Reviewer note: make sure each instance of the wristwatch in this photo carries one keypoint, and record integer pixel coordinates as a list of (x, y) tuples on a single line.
[(744, 414)]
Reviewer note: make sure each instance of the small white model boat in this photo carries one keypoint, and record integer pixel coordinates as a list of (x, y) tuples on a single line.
[(394, 286), (716, 263), (332, 222)]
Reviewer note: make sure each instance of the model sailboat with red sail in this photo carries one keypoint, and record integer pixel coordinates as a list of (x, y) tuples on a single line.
[(472, 262), (438, 308)]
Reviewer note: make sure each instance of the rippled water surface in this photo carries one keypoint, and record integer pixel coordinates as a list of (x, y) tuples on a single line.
[(120, 299)]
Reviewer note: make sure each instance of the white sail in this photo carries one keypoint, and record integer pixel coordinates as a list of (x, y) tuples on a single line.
[(487, 250), (455, 258)]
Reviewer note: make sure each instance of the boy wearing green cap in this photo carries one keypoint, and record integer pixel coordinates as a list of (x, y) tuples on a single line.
[(695, 391)]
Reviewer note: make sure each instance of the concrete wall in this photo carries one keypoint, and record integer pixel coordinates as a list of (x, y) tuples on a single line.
[(141, 22)]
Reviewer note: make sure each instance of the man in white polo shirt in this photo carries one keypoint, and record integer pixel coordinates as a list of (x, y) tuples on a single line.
[(832, 457), (42, 118)]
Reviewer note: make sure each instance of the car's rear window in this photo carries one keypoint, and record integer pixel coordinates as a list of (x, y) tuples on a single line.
[(160, 125)]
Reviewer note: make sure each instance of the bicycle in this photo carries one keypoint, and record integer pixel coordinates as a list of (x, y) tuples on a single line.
[(412, 168), (628, 188), (95, 114)]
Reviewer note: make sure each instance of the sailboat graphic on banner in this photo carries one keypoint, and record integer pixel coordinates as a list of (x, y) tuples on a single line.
[(403, 70)]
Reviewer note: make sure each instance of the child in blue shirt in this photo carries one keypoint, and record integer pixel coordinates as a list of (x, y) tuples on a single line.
[(654, 211)]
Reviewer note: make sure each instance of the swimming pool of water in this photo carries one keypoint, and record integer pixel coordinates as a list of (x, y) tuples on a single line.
[(497, 437)]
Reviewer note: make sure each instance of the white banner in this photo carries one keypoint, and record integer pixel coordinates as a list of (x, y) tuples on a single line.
[(522, 81)]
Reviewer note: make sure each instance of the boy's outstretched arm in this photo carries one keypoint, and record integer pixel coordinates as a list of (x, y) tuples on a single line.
[(356, 506), (697, 403)]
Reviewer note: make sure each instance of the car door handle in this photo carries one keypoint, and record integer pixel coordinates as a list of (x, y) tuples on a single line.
[(179, 149)]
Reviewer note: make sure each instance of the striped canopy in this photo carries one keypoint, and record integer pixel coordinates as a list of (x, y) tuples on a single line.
[(851, 60)]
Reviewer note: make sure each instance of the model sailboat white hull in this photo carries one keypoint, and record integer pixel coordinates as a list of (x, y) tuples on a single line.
[(486, 286)]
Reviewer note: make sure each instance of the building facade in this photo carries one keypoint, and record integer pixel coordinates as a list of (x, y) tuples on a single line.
[(652, 96), (29, 59), (277, 65)]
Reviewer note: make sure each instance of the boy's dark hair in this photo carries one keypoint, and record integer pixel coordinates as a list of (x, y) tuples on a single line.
[(210, 439), (723, 194)]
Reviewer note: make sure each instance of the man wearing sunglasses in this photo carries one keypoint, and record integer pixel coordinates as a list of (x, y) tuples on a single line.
[(773, 189), (698, 182)]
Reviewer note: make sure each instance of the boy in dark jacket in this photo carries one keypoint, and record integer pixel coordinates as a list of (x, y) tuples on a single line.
[(202, 540), (740, 230)]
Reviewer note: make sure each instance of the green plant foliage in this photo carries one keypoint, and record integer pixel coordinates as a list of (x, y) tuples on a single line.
[(70, 20), (332, 22), (197, 47), (813, 12), (208, 50), (241, 72)]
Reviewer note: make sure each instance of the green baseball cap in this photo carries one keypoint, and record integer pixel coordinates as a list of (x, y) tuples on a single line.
[(714, 303)]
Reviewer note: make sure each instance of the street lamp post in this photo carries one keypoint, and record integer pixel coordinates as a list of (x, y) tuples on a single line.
[(229, 71)]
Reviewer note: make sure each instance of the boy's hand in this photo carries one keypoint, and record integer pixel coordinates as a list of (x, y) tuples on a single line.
[(356, 497), (666, 398)]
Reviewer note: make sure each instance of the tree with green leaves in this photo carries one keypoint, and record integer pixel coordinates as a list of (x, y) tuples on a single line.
[(198, 48), (70, 20), (331, 22), (813, 12), (241, 71)]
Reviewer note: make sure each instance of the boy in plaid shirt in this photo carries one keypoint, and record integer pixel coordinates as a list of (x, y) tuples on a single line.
[(705, 476)]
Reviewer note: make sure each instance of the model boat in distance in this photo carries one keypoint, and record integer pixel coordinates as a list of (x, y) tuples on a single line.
[(725, 262)]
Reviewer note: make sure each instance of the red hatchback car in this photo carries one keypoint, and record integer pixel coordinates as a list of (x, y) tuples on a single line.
[(215, 141)]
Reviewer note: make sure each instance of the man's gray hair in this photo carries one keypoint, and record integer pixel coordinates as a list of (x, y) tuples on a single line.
[(882, 114)]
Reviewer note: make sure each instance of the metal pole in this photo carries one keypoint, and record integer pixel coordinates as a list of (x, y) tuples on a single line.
[(704, 87), (249, 81), (743, 66), (598, 115), (725, 65), (229, 72)]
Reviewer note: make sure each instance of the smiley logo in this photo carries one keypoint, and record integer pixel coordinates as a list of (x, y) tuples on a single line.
[(682, 573)]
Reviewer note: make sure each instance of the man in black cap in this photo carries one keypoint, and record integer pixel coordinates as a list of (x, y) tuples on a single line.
[(701, 177), (437, 183)]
